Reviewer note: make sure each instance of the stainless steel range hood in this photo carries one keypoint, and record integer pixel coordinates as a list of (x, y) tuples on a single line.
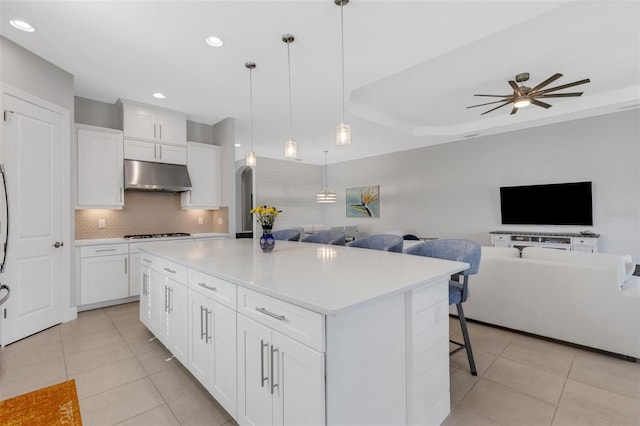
[(148, 176)]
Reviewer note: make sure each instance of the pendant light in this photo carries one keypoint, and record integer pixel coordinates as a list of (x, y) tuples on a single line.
[(290, 146), (326, 195), (343, 130), (250, 158)]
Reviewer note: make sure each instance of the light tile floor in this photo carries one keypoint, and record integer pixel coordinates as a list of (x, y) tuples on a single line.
[(123, 379)]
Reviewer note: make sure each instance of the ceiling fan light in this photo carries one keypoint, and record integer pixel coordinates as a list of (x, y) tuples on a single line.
[(250, 159), (522, 102), (290, 149), (343, 134)]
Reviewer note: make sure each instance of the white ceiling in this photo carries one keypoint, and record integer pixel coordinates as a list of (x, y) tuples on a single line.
[(411, 67)]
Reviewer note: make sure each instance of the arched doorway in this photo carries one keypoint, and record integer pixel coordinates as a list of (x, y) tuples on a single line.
[(244, 197)]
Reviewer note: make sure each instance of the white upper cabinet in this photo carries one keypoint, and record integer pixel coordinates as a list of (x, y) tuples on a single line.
[(147, 123), (203, 163), (100, 170)]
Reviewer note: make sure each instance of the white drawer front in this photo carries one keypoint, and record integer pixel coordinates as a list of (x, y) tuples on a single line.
[(219, 290), (173, 270), (149, 261), (500, 237), (104, 250), (298, 323)]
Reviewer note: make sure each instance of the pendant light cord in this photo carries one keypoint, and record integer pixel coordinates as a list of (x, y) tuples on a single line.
[(342, 48), (290, 109), (326, 171), (251, 103)]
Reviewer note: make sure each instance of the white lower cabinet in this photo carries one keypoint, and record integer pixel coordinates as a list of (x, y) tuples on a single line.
[(212, 348), (104, 273), (280, 381)]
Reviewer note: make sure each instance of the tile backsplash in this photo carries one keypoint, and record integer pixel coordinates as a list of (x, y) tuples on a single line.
[(149, 213)]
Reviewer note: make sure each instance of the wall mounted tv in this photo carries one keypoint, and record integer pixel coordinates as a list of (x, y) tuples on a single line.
[(552, 204)]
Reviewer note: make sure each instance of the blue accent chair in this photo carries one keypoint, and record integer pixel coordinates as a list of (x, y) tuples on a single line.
[(335, 238), (286, 235), (460, 251), (383, 242)]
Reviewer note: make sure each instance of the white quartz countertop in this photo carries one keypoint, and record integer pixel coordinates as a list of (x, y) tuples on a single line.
[(90, 242), (322, 278)]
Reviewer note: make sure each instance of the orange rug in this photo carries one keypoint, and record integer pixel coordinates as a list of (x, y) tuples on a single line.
[(51, 406)]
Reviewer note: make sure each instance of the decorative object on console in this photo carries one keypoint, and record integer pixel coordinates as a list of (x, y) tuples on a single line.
[(266, 217), (326, 195), (524, 96), (290, 146), (250, 158), (363, 201)]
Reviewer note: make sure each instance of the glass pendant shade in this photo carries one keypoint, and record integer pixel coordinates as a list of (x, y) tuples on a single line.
[(290, 149), (250, 159), (343, 134)]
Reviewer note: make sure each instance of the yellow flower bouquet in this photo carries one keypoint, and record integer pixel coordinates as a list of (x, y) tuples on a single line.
[(266, 215)]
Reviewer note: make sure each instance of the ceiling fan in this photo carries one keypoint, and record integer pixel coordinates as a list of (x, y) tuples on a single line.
[(524, 96)]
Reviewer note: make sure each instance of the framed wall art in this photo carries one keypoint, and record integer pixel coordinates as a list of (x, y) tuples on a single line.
[(363, 201)]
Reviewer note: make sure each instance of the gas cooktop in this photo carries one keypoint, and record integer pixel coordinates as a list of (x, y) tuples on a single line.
[(167, 235)]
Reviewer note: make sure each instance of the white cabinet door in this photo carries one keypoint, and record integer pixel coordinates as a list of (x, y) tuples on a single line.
[(178, 320), (158, 301), (212, 348), (134, 274), (172, 128), (171, 154), (299, 390), (203, 162), (100, 171), (144, 281), (139, 150), (104, 278), (139, 123), (255, 403)]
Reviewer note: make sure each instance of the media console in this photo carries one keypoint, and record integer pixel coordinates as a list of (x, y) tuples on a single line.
[(556, 240)]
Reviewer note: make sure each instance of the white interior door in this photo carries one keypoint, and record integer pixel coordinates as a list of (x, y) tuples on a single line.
[(32, 153)]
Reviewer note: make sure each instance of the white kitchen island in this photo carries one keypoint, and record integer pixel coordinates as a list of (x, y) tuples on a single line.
[(307, 334)]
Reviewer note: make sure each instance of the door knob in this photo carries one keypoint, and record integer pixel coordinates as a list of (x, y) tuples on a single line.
[(58, 244)]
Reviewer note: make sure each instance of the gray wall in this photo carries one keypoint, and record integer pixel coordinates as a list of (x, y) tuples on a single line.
[(96, 113), (452, 190), (290, 187)]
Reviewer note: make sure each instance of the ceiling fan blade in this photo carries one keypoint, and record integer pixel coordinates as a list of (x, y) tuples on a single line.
[(564, 86), (489, 103), (515, 87), (558, 95), (514, 110), (546, 82), (540, 104), (497, 96), (499, 106)]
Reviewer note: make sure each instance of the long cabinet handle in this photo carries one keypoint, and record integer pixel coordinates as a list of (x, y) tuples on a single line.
[(170, 299), (203, 285), (166, 299), (160, 125), (262, 376), (125, 265), (154, 132), (103, 250), (273, 381), (202, 332), (207, 323), (145, 284), (160, 146), (271, 314)]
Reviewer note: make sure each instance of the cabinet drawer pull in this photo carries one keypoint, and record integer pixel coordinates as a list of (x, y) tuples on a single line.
[(262, 377), (273, 382), (171, 271), (125, 266), (206, 323), (203, 285), (202, 332), (146, 260), (103, 250), (271, 314)]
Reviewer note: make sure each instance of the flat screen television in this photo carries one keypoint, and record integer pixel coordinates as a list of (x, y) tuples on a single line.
[(551, 204)]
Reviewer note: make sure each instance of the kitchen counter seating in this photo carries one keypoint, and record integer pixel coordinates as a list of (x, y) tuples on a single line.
[(298, 336), (589, 299)]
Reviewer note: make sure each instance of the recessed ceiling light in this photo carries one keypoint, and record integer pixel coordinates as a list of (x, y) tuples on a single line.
[(22, 26), (237, 145), (214, 41), (159, 95)]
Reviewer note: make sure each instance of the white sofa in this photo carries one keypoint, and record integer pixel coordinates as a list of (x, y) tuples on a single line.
[(590, 299)]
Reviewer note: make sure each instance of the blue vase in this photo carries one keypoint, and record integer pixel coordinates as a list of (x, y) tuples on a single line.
[(267, 242)]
